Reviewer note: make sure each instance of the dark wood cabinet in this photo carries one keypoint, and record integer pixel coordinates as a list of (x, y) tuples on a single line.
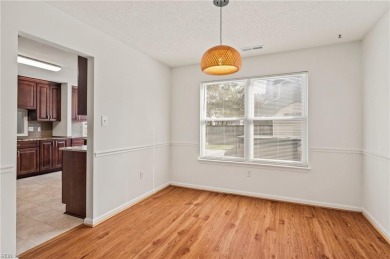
[(27, 160), (78, 142), (43, 104), (42, 99), (79, 93), (75, 106), (40, 156), (82, 83), (50, 153), (57, 154), (46, 149), (74, 183), (55, 102), (27, 95), (74, 102), (48, 103)]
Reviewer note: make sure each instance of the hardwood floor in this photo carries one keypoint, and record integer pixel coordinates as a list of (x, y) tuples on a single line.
[(179, 222)]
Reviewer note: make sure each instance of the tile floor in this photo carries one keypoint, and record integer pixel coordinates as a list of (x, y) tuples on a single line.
[(40, 212)]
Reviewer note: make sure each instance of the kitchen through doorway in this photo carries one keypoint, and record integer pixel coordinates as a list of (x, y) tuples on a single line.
[(53, 90)]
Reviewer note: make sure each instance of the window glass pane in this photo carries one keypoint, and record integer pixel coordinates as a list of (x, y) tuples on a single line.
[(278, 140), (225, 100), (224, 139), (278, 96)]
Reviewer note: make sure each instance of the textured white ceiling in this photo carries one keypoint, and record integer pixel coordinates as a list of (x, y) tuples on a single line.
[(178, 32)]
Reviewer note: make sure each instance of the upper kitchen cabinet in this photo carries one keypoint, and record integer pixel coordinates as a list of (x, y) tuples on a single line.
[(79, 93), (27, 95), (55, 102), (42, 113), (74, 103), (42, 99), (75, 106), (82, 86), (48, 101)]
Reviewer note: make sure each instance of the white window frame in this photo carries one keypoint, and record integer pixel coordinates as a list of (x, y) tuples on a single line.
[(249, 122)]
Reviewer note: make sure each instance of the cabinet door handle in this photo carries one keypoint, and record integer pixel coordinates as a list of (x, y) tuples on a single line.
[(18, 154)]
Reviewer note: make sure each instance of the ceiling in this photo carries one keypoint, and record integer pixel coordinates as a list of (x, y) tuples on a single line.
[(178, 32)]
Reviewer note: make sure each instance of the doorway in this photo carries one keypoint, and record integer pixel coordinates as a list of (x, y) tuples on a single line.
[(54, 96)]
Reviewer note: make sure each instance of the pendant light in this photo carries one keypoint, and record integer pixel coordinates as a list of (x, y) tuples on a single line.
[(221, 59)]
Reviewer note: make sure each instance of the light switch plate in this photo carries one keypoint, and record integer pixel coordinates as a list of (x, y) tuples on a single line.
[(30, 128), (104, 121)]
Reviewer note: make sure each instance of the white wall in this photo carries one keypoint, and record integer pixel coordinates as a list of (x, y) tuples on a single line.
[(37, 50), (376, 92), (335, 135), (131, 88)]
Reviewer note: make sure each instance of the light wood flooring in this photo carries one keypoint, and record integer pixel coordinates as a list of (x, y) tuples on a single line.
[(179, 222)]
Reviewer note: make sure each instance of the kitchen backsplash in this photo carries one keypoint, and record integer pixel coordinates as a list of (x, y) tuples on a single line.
[(46, 129), (78, 128)]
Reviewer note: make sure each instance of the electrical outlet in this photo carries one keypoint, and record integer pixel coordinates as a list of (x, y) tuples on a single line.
[(30, 128), (249, 173), (38, 129), (141, 175)]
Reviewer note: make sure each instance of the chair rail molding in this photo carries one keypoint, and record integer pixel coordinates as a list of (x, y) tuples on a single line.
[(6, 169), (117, 151), (376, 155)]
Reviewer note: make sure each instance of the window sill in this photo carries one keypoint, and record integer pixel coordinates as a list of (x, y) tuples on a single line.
[(302, 168)]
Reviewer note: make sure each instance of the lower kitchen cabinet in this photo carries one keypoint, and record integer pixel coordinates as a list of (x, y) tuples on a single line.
[(46, 155), (27, 160), (57, 154), (51, 155), (39, 156), (78, 142)]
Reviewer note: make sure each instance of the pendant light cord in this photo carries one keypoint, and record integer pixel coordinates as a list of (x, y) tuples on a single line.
[(220, 25)]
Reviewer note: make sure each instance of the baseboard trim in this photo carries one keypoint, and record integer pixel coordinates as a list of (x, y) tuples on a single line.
[(381, 230), (96, 221), (270, 197)]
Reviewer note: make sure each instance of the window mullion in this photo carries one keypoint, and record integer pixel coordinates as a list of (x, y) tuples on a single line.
[(248, 122), (202, 132)]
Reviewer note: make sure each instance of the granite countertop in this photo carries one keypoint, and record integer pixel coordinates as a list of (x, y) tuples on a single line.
[(45, 138), (75, 149), (39, 138)]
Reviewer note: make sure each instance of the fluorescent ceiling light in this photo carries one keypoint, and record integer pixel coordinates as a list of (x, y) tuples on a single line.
[(38, 63)]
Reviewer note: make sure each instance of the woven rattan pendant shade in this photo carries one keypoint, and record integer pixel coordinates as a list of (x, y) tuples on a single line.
[(221, 60)]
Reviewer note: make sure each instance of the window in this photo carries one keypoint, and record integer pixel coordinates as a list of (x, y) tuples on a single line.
[(256, 120), (22, 123)]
